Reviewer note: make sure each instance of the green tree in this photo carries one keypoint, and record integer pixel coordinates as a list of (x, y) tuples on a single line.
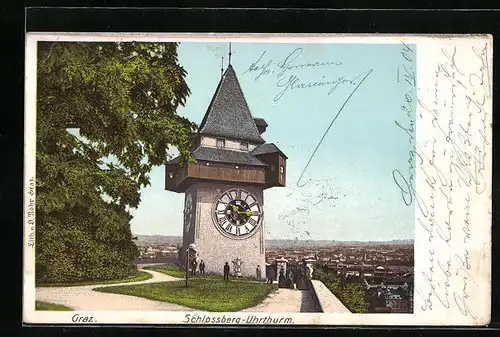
[(122, 97), (352, 295)]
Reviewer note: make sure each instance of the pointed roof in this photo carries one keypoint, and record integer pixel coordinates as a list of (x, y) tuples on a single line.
[(228, 114), (267, 148)]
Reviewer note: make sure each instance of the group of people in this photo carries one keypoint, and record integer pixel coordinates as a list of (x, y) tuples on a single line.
[(201, 267), (227, 269), (284, 280), (194, 265)]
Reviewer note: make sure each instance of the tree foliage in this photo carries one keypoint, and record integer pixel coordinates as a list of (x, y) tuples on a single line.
[(123, 98)]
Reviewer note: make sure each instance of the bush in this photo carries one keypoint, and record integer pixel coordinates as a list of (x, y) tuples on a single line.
[(71, 254)]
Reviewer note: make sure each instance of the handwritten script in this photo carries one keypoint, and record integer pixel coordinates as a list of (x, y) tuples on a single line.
[(285, 72), (448, 176), (336, 114)]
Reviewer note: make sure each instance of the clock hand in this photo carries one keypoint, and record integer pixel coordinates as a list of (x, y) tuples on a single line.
[(237, 210), (247, 212)]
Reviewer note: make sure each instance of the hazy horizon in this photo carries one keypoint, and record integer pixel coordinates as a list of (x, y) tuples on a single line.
[(402, 239)]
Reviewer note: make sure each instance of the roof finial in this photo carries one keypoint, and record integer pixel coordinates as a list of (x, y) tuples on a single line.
[(230, 53), (222, 67)]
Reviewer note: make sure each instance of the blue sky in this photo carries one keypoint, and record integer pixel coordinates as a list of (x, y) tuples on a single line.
[(350, 194)]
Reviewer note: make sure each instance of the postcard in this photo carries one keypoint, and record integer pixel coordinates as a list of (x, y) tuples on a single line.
[(257, 179)]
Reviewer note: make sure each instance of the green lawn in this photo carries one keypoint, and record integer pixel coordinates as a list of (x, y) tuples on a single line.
[(168, 269), (208, 294), (50, 307), (140, 276)]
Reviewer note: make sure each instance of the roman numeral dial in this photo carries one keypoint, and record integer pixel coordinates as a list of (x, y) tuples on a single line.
[(237, 213)]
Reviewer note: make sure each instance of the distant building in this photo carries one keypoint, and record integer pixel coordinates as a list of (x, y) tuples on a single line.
[(397, 303), (380, 271)]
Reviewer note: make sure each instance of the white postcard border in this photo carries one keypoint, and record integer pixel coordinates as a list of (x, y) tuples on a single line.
[(429, 54)]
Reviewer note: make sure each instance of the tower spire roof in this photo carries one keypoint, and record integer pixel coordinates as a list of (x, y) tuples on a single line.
[(228, 114)]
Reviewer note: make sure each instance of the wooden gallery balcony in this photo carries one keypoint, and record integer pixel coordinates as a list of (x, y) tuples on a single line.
[(177, 179)]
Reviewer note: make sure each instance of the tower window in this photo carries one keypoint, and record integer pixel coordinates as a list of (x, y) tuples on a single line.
[(244, 146), (221, 142), (282, 175)]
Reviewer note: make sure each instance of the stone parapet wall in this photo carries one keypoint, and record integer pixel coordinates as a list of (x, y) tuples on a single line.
[(326, 300)]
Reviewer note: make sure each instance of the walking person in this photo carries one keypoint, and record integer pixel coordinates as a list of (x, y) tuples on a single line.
[(202, 267), (226, 272)]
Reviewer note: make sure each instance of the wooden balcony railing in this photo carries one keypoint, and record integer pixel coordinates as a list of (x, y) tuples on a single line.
[(216, 173), (242, 174)]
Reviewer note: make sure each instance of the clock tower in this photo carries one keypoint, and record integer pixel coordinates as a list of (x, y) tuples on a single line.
[(224, 213)]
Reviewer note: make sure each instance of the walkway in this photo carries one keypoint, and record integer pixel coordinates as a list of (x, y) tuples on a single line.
[(84, 298), (286, 300)]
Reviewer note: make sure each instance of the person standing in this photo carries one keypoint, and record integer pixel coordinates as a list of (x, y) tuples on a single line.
[(281, 278), (202, 267), (290, 282), (226, 272), (270, 278), (258, 271), (193, 271), (308, 273)]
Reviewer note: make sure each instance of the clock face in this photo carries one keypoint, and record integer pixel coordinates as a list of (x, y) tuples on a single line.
[(237, 213), (188, 212)]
